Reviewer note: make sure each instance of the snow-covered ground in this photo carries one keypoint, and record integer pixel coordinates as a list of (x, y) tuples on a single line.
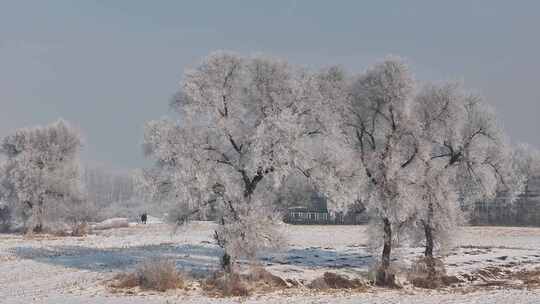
[(76, 269)]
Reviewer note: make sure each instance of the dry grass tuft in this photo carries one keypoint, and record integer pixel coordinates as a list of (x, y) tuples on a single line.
[(264, 279), (242, 285), (530, 278), (126, 280), (81, 229), (430, 273), (226, 285), (335, 281), (160, 275)]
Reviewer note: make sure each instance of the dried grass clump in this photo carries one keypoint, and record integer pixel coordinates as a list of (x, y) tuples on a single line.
[(335, 281), (241, 285), (80, 229), (530, 278), (126, 280), (266, 280), (380, 276), (226, 285), (59, 233), (430, 273), (160, 275)]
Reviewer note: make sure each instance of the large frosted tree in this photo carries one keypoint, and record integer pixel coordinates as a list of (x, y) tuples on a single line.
[(381, 128), (369, 149), (413, 158), (41, 170), (232, 145)]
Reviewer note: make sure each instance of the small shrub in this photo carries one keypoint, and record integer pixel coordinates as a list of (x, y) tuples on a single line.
[(126, 280), (80, 229), (227, 285), (160, 275), (430, 273), (261, 276), (241, 285), (384, 277), (335, 281), (60, 233)]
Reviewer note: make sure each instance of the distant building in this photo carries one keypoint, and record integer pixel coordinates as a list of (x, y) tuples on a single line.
[(306, 215), (317, 214)]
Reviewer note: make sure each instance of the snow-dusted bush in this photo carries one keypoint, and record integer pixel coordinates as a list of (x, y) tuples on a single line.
[(41, 170), (234, 142)]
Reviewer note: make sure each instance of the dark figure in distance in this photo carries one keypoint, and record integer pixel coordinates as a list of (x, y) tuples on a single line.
[(144, 217)]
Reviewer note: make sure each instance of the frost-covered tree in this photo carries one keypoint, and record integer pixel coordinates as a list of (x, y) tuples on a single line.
[(111, 193), (526, 163), (41, 170), (414, 159), (381, 127), (234, 142), (370, 149), (105, 186), (5, 209), (465, 158)]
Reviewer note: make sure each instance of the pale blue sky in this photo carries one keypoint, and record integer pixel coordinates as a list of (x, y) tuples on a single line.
[(109, 66)]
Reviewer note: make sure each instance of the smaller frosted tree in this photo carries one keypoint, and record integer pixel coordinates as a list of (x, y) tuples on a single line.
[(5, 209), (464, 158), (41, 170), (526, 163), (231, 147), (414, 159)]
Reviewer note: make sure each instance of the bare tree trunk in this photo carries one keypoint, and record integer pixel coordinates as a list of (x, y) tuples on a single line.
[(384, 276), (226, 262), (428, 254), (428, 230), (37, 217)]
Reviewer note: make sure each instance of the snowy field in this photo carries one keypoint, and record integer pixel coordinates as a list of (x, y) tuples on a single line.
[(50, 269)]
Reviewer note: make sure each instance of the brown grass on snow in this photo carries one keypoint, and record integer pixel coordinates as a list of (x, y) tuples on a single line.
[(335, 281), (421, 276), (160, 275), (244, 284)]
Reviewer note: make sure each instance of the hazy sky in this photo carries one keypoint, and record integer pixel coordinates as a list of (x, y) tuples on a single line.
[(109, 66)]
